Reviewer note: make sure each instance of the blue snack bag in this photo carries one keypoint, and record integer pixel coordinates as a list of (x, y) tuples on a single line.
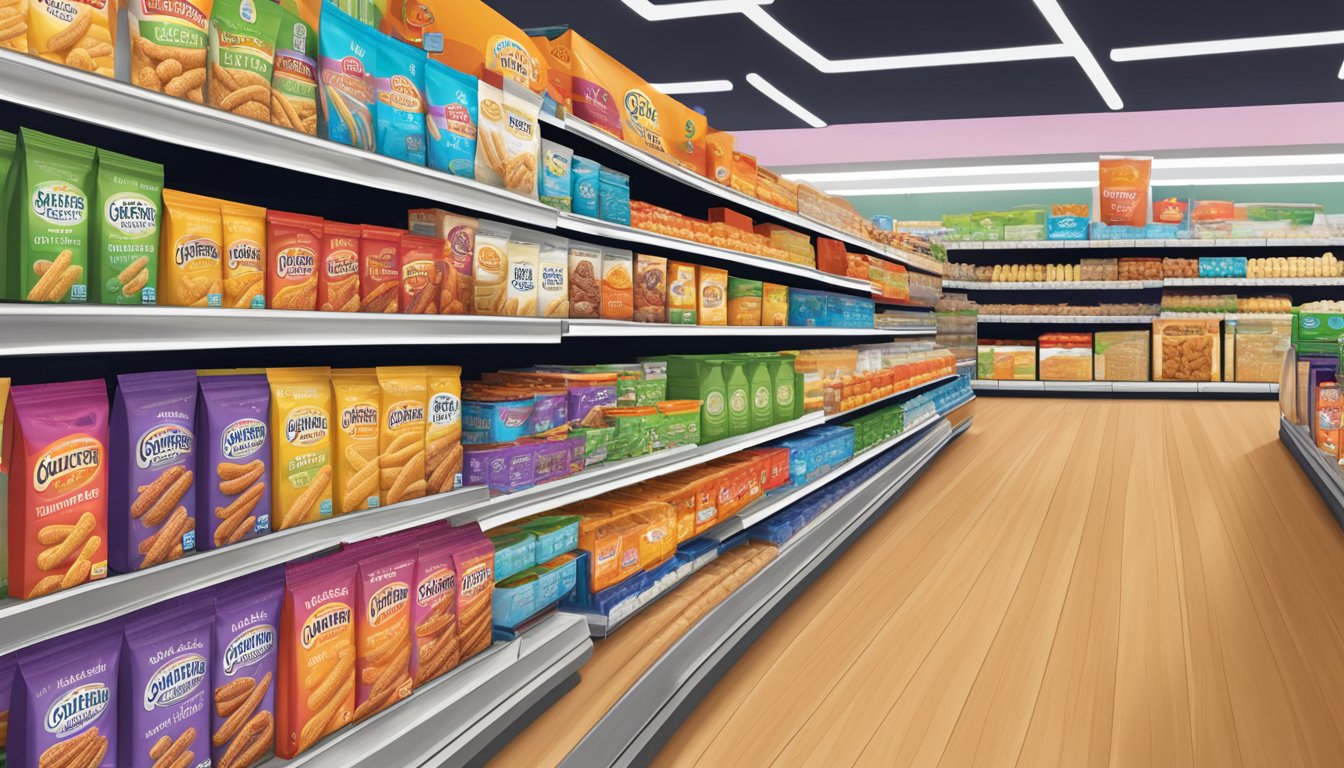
[(347, 53), (399, 87), (556, 187), (613, 196), (451, 123), (583, 173)]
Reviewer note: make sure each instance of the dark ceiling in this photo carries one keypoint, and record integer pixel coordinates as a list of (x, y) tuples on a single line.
[(729, 46)]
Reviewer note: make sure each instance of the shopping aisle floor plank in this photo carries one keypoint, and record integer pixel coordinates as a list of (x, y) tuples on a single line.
[(1074, 583)]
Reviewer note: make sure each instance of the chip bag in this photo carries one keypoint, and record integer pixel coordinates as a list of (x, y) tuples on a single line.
[(233, 459), (244, 229), (383, 625), (356, 405), (190, 269), (316, 691), (443, 428), (347, 52), (300, 446), (1123, 190), (52, 182), (399, 107), (294, 77), (451, 122), (338, 268), (79, 34), (244, 668), (124, 260), (401, 439), (242, 56), (293, 242), (420, 274), (379, 269)]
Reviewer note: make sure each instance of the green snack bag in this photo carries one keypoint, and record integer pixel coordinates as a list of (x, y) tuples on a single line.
[(294, 80), (49, 219), (737, 391), (8, 144), (123, 267), (242, 56), (699, 378), (761, 393)]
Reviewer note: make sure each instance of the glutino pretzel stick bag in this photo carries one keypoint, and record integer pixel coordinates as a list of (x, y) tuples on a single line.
[(316, 693), (386, 571), (124, 259), (402, 433), (443, 428), (300, 445), (244, 264), (52, 183), (56, 440), (64, 700)]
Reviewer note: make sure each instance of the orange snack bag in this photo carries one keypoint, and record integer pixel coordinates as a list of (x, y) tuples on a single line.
[(379, 269), (293, 242), (383, 625), (56, 453), (712, 290), (401, 435), (300, 445), (720, 150), (354, 459), (244, 228), (475, 38), (420, 259), (316, 691), (1124, 186), (743, 178), (190, 272), (474, 562), (618, 287), (338, 268)]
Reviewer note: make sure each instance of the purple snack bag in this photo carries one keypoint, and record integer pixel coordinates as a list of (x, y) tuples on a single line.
[(7, 663), (152, 509), (247, 651), (233, 460), (64, 700), (165, 687)]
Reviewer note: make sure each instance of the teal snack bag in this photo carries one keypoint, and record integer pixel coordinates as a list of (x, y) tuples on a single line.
[(124, 262), (399, 109), (346, 54), (8, 144), (583, 174), (450, 125), (556, 190), (49, 219)]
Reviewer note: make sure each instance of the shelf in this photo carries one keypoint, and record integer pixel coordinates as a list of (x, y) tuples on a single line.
[(1068, 319), (1179, 282), (647, 714), (1115, 387), (449, 721), (612, 328), (44, 329), (1034, 245), (1225, 316), (1054, 285), (1321, 468), (728, 194), (39, 84), (602, 626), (502, 510), (596, 228), (902, 394)]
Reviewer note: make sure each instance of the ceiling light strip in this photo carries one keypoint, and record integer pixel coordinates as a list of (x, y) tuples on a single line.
[(1248, 161), (1235, 45), (694, 86), (690, 10), (1042, 185), (1059, 22), (780, 98)]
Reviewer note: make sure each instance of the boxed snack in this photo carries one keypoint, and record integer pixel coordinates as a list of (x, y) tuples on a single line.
[(379, 269), (650, 289), (124, 258), (1065, 357), (617, 285), (1121, 356), (301, 449), (743, 178), (1124, 186), (1186, 350), (243, 266), (232, 459), (732, 218), (774, 304), (744, 301), (1259, 347), (165, 665), (52, 181), (1329, 417), (712, 292), (293, 242), (682, 293)]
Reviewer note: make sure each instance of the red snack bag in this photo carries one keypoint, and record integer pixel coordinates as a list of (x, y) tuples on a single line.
[(56, 449), (292, 244), (338, 270), (1124, 185), (316, 692), (386, 570), (380, 269), (421, 265), (474, 563)]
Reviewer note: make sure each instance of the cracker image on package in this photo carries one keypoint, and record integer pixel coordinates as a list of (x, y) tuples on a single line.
[(402, 434), (64, 701), (355, 458), (169, 46), (124, 259), (316, 693)]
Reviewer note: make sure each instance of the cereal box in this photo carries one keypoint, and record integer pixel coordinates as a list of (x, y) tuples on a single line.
[(682, 293), (650, 289), (774, 304), (712, 295), (744, 301)]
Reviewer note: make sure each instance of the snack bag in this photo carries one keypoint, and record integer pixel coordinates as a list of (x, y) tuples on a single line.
[(152, 509), (719, 147), (232, 459), (301, 448), (474, 564), (553, 282), (165, 671), (451, 122), (522, 139), (713, 295), (618, 292), (125, 254), (434, 643), (585, 276), (347, 52), (338, 268), (294, 77), (585, 183), (420, 259), (443, 428), (190, 272), (774, 304), (650, 289), (556, 183), (379, 269), (242, 56), (399, 107), (52, 182), (681, 293), (458, 278), (1123, 190), (80, 35), (64, 700), (293, 242), (490, 285), (383, 626), (244, 667), (490, 132), (316, 691), (401, 441), (15, 38), (244, 271), (523, 261), (169, 44), (56, 444), (356, 398)]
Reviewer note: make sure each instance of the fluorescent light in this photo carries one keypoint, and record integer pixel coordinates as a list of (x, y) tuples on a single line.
[(1039, 185), (1250, 161), (1059, 22), (1325, 179), (1341, 71), (694, 86), (1235, 45), (778, 96), (690, 10)]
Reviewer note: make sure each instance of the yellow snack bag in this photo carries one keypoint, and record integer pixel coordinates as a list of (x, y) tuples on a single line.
[(443, 429), (775, 304), (355, 400), (15, 36), (401, 438), (243, 269), (78, 33), (190, 269), (300, 445)]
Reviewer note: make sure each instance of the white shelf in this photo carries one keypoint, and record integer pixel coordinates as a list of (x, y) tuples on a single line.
[(36, 83), (1225, 316), (596, 228), (1053, 285), (614, 328), (1178, 282), (1068, 319), (1320, 467), (42, 329), (451, 719), (1034, 245), (600, 625), (1150, 387), (738, 199), (902, 394)]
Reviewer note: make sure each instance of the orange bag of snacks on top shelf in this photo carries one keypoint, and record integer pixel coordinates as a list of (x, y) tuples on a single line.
[(1124, 186), (244, 265), (719, 156), (475, 38)]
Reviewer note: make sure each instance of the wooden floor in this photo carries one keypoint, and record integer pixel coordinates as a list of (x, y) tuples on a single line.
[(1073, 583)]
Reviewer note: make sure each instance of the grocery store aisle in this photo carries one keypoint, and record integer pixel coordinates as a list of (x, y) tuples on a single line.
[(1074, 583)]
